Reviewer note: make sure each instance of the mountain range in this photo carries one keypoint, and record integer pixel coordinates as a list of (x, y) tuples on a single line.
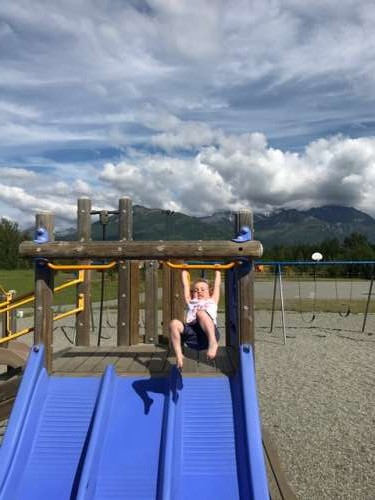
[(281, 227)]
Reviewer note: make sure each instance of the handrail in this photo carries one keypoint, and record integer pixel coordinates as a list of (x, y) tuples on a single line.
[(15, 335), (18, 302), (79, 308), (81, 267), (230, 265)]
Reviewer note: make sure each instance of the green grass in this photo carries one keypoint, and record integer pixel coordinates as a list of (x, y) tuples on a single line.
[(23, 282)]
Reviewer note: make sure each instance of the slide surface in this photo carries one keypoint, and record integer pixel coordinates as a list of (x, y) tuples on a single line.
[(133, 438)]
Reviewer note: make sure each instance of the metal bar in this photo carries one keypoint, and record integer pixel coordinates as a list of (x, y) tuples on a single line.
[(16, 335), (230, 265), (368, 304), (282, 304), (274, 297), (82, 267)]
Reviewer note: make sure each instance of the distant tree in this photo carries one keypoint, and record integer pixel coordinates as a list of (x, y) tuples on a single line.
[(10, 238)]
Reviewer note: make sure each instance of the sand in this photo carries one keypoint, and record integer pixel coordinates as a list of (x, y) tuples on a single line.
[(316, 395)]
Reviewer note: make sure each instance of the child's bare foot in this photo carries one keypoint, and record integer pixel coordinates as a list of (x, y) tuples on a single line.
[(180, 362), (212, 350)]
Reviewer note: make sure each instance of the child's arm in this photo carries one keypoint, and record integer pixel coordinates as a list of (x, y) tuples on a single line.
[(186, 285), (216, 291)]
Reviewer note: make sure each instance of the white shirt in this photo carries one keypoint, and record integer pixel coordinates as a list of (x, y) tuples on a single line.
[(198, 305)]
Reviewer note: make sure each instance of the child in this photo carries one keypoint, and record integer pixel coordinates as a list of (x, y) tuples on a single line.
[(200, 327)]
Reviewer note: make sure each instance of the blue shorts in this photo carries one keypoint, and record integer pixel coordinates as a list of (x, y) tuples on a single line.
[(193, 336)]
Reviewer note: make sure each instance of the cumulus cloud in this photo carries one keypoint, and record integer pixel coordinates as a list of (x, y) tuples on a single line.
[(244, 171)]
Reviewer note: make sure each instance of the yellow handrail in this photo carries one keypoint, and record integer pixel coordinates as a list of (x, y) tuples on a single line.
[(230, 265), (27, 300), (85, 267), (16, 335), (79, 308)]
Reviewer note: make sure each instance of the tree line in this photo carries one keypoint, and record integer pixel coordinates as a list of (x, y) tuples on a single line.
[(10, 238), (355, 247)]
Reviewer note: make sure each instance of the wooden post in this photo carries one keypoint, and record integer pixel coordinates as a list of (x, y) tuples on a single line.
[(177, 296), (83, 235), (44, 284), (134, 302), (245, 300), (167, 301), (151, 302), (125, 222), (4, 319)]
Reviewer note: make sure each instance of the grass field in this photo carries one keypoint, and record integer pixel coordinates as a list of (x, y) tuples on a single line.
[(22, 281)]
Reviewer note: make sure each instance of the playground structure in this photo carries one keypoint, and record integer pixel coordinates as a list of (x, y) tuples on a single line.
[(198, 435), (346, 304)]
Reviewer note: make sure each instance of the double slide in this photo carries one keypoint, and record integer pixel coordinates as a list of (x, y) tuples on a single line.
[(119, 437)]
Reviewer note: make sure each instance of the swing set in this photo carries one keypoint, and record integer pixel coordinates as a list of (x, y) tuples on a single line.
[(346, 307)]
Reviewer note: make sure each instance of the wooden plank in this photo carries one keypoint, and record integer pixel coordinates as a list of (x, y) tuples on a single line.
[(73, 359), (167, 300), (158, 361), (12, 357), (151, 302), (44, 285), (124, 304), (8, 392), (177, 296), (109, 359), (124, 275), (84, 235), (134, 302), (205, 365), (191, 357), (124, 360), (222, 361), (245, 289), (144, 250), (284, 490)]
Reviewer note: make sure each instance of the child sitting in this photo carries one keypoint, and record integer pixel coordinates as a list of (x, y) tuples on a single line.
[(200, 329)]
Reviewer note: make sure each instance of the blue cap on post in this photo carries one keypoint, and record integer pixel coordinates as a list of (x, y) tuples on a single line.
[(41, 235), (243, 235)]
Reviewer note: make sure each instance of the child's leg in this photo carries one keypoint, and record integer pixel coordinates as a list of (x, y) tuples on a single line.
[(208, 327), (176, 328)]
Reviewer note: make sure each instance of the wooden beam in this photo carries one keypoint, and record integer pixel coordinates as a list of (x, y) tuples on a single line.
[(151, 302), (44, 285), (147, 250), (245, 303), (125, 228), (84, 234)]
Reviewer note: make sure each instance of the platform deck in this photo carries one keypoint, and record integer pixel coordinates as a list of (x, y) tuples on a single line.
[(141, 360)]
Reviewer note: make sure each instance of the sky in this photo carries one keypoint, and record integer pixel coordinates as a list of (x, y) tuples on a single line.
[(186, 105)]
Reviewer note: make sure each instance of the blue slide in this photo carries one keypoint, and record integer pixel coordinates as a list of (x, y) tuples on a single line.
[(134, 438)]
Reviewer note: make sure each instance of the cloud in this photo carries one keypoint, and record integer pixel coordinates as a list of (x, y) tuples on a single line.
[(194, 105), (244, 171)]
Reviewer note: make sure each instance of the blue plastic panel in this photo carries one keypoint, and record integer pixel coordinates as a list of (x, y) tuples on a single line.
[(52, 439), (127, 464)]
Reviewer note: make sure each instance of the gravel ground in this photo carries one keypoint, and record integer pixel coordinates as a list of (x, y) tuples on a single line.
[(316, 395)]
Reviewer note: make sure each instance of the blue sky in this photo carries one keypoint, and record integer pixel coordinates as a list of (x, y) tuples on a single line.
[(189, 105)]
